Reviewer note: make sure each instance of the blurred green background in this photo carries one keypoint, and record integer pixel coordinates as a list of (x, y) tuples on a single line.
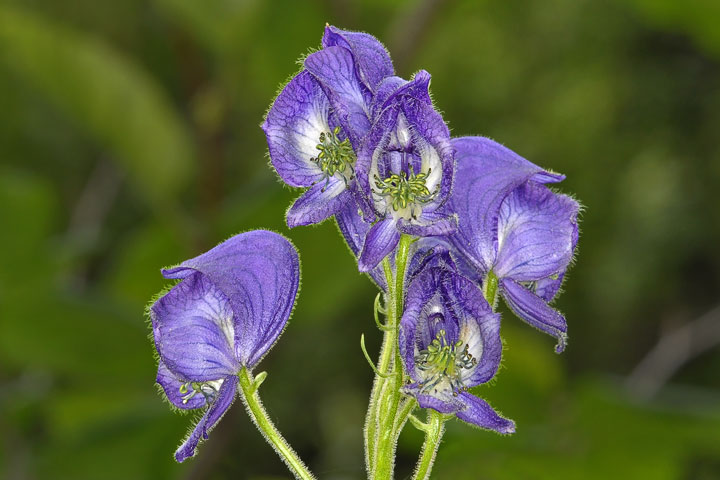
[(130, 140)]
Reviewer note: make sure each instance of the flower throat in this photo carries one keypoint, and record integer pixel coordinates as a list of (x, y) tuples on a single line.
[(404, 189), (335, 155), (444, 361)]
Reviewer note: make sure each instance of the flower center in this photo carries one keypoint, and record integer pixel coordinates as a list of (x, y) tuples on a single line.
[(442, 361), (335, 155), (208, 390), (404, 189)]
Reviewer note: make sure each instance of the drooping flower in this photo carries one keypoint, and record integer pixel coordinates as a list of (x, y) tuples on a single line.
[(515, 234), (318, 122), (228, 310), (450, 342), (404, 169)]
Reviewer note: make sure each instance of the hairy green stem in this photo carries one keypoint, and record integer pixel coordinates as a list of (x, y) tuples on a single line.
[(248, 391), (386, 352), (433, 434), (402, 416), (390, 394)]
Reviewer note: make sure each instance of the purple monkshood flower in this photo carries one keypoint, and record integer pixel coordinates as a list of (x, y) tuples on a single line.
[(228, 310), (513, 231), (450, 342), (319, 120), (404, 168)]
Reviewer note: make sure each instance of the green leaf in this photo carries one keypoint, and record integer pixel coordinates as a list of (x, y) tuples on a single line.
[(108, 95)]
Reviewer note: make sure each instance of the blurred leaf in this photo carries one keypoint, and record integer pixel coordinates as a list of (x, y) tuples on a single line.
[(136, 277), (42, 323), (220, 25), (137, 444), (598, 434), (27, 205), (106, 93), (696, 18)]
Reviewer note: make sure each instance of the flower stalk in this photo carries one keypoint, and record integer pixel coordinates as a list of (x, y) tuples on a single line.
[(382, 462), (434, 430), (248, 389)]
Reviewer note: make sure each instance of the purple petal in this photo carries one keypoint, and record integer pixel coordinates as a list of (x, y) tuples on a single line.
[(446, 404), (293, 127), (194, 330), (535, 233), (419, 292), (259, 273), (547, 288), (466, 266), (533, 310), (322, 200), (354, 229), (478, 412), (427, 252), (392, 88), (431, 138), (377, 138), (224, 399), (442, 226), (334, 68), (381, 239), (385, 90), (486, 173), (171, 385), (479, 329), (371, 58)]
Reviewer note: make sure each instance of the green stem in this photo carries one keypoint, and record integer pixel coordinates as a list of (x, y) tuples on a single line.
[(251, 399), (371, 419), (390, 394), (403, 414), (433, 434)]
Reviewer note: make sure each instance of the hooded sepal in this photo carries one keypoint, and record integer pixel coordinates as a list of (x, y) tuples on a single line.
[(486, 173), (259, 274), (372, 59), (334, 69)]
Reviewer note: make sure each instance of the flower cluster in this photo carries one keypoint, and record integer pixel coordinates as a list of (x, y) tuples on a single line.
[(378, 156), (445, 227)]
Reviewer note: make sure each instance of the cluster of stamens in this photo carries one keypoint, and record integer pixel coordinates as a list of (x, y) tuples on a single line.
[(444, 361), (205, 388), (405, 189), (335, 155)]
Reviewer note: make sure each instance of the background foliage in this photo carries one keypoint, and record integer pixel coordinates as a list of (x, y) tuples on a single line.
[(129, 140)]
